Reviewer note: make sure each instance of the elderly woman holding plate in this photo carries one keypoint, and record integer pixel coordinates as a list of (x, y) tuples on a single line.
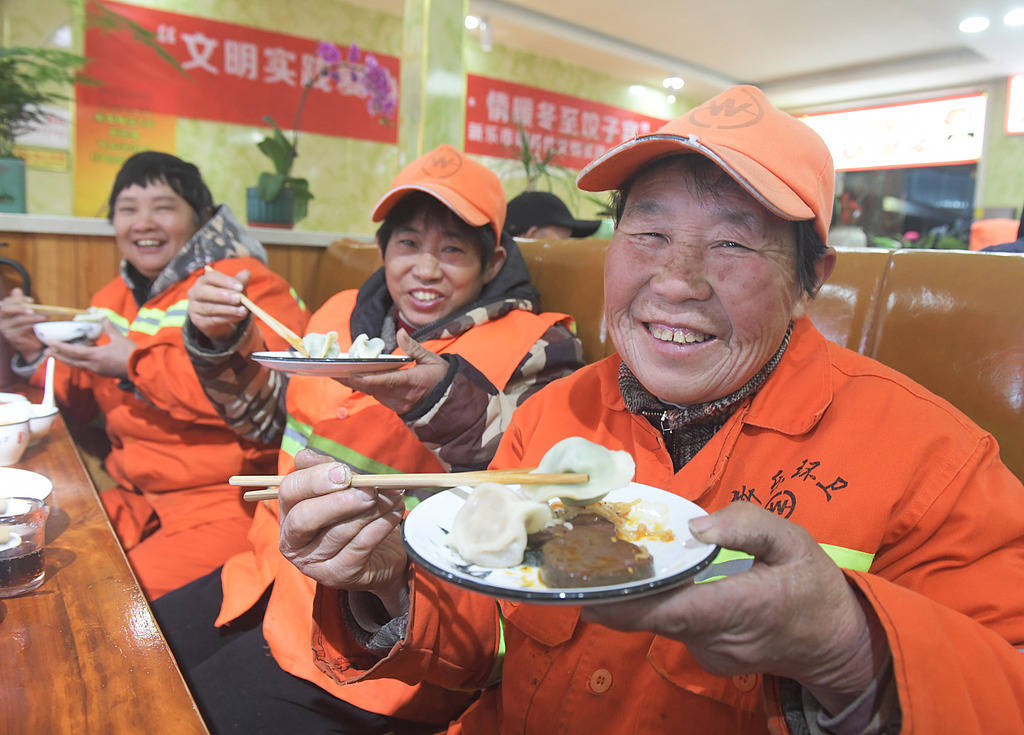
[(454, 294), (172, 509), (876, 553)]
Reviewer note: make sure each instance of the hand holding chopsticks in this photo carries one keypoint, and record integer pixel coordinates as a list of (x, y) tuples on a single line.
[(282, 330), (437, 479)]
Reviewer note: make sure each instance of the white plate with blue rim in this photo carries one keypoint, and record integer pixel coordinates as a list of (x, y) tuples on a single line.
[(654, 519), (293, 363)]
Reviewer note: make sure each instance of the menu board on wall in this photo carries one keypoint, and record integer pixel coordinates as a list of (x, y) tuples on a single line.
[(578, 130), (104, 138), (1015, 105), (930, 133), (236, 74)]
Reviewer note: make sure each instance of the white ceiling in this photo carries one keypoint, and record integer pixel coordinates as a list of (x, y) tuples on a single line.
[(805, 55)]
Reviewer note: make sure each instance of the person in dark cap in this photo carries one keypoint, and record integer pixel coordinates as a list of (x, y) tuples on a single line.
[(540, 215)]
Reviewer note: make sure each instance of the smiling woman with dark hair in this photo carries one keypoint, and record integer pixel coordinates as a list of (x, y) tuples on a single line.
[(171, 455)]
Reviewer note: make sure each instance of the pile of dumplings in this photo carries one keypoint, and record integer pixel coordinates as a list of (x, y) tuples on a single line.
[(326, 346), (491, 527)]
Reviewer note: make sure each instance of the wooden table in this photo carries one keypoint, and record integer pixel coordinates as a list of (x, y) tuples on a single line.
[(82, 653)]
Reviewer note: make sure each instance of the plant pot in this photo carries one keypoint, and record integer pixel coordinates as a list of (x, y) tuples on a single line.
[(276, 213), (12, 185)]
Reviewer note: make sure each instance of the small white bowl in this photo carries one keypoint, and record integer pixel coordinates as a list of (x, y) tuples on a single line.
[(12, 398), (50, 332), (40, 420), (15, 483), (14, 433)]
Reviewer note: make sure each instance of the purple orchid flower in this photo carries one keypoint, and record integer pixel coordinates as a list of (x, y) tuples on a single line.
[(330, 53)]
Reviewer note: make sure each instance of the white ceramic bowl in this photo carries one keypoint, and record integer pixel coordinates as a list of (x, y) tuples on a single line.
[(15, 483), (40, 420), (14, 432), (50, 332), (12, 398)]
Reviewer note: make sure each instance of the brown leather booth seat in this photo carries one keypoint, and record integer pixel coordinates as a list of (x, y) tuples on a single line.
[(951, 320)]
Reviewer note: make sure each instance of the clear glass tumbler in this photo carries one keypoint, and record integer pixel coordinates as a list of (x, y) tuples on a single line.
[(22, 531)]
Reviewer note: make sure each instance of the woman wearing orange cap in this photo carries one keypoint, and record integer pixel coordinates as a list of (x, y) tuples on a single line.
[(883, 538), (455, 295)]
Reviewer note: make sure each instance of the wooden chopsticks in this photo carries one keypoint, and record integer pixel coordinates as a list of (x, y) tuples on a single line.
[(56, 310), (436, 479), (286, 334)]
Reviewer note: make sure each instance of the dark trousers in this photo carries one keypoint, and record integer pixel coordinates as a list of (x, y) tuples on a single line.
[(236, 682)]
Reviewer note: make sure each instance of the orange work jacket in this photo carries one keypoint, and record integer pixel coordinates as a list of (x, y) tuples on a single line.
[(171, 454), (353, 427), (899, 487)]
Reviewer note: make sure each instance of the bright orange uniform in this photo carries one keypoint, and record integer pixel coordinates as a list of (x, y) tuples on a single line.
[(900, 488), (353, 427), (172, 454)]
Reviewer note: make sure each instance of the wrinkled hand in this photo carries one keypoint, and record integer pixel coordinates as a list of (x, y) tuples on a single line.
[(110, 358), (792, 613), (401, 390), (16, 324), (343, 537), (213, 304)]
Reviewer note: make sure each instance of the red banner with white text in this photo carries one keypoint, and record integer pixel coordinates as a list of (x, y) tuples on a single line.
[(238, 74), (578, 130)]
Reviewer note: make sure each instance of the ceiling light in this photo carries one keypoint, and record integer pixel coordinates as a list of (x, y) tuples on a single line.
[(974, 24), (672, 83), (670, 98), (1015, 17), (472, 22)]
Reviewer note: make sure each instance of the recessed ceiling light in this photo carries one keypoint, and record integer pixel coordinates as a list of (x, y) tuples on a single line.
[(670, 98), (1015, 17), (974, 24), (672, 83), (472, 22)]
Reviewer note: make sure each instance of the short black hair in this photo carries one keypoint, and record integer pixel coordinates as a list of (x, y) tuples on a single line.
[(149, 167), (708, 178), (410, 206)]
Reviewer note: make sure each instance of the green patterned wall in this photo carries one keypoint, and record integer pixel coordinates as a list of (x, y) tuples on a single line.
[(1003, 168)]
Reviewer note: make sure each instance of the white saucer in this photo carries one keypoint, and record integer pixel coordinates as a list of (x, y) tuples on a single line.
[(24, 484)]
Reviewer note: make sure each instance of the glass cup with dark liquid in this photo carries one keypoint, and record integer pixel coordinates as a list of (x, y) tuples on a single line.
[(22, 530)]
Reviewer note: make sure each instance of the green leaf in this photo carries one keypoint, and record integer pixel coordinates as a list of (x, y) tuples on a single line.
[(301, 196), (98, 15), (269, 186)]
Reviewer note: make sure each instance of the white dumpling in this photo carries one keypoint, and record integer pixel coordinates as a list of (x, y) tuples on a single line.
[(321, 345), (366, 348), (490, 528), (608, 470), (92, 314)]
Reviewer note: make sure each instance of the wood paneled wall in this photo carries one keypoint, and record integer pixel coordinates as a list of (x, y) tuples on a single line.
[(67, 269)]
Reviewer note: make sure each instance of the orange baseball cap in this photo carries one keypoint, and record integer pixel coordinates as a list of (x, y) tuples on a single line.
[(466, 187), (780, 160)]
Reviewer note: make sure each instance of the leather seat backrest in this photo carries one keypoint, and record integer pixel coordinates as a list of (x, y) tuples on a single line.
[(844, 307), (570, 277), (953, 322)]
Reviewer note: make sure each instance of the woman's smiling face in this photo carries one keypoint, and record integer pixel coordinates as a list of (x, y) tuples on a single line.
[(700, 283), (152, 223), (433, 267)]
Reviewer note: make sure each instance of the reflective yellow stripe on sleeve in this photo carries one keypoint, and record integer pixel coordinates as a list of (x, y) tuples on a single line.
[(729, 562)]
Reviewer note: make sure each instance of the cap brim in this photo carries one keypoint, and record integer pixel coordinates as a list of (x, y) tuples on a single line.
[(614, 168), (584, 227), (449, 197)]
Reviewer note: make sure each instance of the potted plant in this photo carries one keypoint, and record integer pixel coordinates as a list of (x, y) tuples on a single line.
[(280, 199), (29, 79)]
